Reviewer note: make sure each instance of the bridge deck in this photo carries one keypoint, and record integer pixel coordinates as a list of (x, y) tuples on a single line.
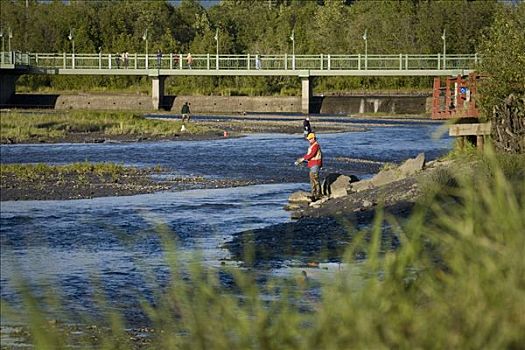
[(238, 65)]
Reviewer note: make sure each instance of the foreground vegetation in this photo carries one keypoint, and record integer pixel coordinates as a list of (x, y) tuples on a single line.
[(17, 127), (457, 281)]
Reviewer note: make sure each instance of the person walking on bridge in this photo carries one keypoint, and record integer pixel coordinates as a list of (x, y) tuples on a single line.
[(189, 60), (314, 157), (159, 59)]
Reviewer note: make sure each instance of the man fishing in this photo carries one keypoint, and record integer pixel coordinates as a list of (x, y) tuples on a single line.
[(314, 158)]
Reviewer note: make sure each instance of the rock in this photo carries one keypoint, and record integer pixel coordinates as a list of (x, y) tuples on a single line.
[(385, 177), (409, 167), (362, 185), (295, 206), (340, 187), (337, 185), (299, 197), (318, 203), (412, 166), (296, 215), (367, 204)]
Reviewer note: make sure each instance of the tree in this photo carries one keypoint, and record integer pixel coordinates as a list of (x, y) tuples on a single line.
[(502, 89), (503, 52)]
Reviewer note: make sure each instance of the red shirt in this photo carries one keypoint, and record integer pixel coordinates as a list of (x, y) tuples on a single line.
[(314, 155)]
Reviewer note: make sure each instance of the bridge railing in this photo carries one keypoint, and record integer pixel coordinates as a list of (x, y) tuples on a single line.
[(243, 61)]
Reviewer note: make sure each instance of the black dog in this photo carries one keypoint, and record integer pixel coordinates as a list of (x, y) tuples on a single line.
[(330, 179)]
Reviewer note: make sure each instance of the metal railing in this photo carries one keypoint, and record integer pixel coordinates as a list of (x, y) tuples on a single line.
[(322, 62)]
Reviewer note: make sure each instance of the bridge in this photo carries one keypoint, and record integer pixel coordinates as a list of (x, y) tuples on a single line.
[(305, 67)]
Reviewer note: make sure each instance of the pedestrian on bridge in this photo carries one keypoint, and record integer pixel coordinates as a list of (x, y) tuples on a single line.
[(314, 157), (117, 60), (189, 59), (125, 58), (159, 58)]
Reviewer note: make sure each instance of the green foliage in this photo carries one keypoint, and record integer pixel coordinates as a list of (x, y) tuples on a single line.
[(503, 50), (251, 26)]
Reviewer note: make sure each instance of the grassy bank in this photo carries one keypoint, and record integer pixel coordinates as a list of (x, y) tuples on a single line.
[(40, 171), (74, 181), (457, 281), (18, 127)]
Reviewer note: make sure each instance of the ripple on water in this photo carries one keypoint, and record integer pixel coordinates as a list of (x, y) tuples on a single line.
[(114, 243)]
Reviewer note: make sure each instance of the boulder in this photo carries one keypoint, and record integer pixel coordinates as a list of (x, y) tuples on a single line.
[(412, 166), (409, 167), (299, 197), (317, 204), (362, 185), (385, 177), (295, 206), (337, 185)]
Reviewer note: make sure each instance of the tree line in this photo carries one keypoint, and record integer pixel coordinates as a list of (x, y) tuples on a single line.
[(246, 26)]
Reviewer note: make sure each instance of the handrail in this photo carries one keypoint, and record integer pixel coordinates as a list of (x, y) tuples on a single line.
[(172, 61)]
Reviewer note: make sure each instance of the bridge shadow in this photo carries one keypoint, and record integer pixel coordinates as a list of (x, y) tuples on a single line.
[(168, 102), (316, 102), (32, 101)]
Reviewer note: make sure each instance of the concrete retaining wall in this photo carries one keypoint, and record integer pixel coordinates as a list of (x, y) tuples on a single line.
[(228, 104), (236, 104), (370, 104)]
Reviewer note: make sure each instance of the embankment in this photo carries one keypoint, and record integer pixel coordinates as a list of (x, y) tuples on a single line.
[(389, 104)]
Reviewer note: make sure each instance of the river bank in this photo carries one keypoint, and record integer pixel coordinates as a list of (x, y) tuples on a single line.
[(323, 230), (91, 180), (103, 127), (55, 184)]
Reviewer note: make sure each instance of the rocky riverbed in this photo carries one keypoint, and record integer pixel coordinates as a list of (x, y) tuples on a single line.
[(323, 230)]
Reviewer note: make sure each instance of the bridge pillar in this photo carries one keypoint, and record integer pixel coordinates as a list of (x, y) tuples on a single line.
[(306, 94), (7, 88), (157, 91)]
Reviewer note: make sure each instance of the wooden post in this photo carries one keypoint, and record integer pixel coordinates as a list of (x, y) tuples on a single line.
[(461, 142), (480, 142), (465, 131)]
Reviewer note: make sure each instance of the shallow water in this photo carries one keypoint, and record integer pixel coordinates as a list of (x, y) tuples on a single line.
[(67, 245), (266, 158)]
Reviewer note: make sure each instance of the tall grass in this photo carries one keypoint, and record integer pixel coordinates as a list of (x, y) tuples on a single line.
[(17, 127), (457, 281), (36, 171)]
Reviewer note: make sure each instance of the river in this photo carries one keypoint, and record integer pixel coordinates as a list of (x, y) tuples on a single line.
[(65, 246)]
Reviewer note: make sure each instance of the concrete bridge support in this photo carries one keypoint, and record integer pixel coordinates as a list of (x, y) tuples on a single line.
[(307, 93), (7, 87), (157, 92)]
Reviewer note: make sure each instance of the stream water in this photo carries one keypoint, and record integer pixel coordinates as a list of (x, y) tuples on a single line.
[(62, 247)]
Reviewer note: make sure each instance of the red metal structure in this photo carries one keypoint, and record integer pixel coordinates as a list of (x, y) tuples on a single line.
[(457, 99)]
